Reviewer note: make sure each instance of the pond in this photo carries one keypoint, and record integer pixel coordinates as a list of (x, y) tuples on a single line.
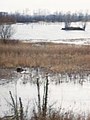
[(50, 32), (65, 91)]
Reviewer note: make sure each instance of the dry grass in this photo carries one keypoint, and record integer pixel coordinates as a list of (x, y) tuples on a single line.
[(56, 115), (53, 116), (55, 57)]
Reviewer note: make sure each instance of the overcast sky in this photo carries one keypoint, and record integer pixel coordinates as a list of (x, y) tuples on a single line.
[(50, 5)]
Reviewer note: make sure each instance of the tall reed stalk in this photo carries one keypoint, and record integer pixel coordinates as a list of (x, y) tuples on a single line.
[(18, 109), (42, 105)]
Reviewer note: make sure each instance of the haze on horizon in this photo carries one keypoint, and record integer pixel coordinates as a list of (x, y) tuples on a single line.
[(29, 6)]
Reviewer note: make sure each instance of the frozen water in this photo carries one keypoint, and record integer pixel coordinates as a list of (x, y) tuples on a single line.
[(50, 32), (68, 91)]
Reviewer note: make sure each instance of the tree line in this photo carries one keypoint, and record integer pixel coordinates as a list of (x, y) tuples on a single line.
[(55, 17)]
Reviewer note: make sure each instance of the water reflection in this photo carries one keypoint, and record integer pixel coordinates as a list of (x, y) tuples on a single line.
[(69, 91), (32, 74)]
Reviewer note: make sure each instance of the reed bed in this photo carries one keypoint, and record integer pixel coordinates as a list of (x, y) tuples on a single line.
[(55, 57)]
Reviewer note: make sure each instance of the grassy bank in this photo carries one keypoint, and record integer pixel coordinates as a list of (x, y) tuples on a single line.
[(56, 57)]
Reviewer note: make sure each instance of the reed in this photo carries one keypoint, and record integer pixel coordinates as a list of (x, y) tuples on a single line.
[(55, 57)]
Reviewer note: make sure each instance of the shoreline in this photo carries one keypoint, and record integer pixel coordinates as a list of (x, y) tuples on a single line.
[(76, 41)]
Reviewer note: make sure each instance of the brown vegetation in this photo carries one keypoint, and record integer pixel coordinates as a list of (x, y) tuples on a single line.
[(56, 115), (6, 19), (55, 57)]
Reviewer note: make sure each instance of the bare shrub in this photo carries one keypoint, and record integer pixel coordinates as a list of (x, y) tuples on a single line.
[(6, 31)]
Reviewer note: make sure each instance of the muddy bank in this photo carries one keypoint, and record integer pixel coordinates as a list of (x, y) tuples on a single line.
[(11, 74), (7, 73), (31, 75)]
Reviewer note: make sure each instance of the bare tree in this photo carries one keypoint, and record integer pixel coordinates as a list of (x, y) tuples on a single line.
[(84, 21), (67, 20), (6, 29)]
